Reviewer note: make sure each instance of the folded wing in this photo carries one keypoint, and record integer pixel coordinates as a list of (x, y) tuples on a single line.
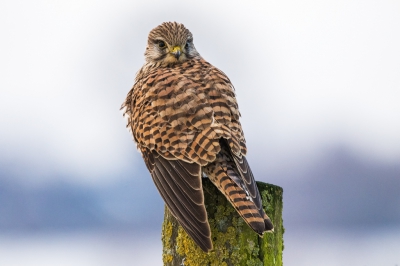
[(179, 184)]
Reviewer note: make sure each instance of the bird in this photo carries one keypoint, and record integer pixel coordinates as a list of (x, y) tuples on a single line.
[(184, 117)]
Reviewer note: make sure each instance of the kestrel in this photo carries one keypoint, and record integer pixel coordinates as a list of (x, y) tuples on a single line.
[(184, 117)]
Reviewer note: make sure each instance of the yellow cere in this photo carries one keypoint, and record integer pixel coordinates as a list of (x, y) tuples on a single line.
[(176, 49)]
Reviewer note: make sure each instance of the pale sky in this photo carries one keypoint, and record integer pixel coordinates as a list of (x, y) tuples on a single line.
[(308, 75)]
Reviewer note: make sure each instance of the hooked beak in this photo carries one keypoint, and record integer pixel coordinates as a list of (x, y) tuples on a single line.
[(176, 51)]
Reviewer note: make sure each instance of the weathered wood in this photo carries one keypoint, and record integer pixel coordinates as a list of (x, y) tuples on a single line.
[(234, 242)]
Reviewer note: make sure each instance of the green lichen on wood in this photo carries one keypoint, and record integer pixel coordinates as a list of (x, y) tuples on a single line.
[(167, 231), (234, 242), (271, 245)]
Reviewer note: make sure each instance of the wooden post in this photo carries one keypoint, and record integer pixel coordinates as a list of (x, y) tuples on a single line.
[(234, 242)]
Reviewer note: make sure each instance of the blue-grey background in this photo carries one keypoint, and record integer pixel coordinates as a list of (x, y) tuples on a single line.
[(318, 87)]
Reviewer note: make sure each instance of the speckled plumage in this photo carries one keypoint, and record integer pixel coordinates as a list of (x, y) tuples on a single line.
[(184, 117)]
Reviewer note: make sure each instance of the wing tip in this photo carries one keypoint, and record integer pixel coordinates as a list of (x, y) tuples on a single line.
[(206, 247), (269, 227)]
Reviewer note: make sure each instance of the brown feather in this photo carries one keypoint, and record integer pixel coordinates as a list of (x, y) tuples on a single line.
[(184, 117)]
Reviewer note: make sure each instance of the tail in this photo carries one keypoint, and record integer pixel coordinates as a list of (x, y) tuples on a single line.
[(233, 177)]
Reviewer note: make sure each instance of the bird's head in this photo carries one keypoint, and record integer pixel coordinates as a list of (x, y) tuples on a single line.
[(170, 43)]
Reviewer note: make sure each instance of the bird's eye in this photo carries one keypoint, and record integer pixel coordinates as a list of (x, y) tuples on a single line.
[(187, 44), (161, 44)]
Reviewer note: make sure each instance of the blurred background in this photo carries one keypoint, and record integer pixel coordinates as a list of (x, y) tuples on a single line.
[(318, 87)]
